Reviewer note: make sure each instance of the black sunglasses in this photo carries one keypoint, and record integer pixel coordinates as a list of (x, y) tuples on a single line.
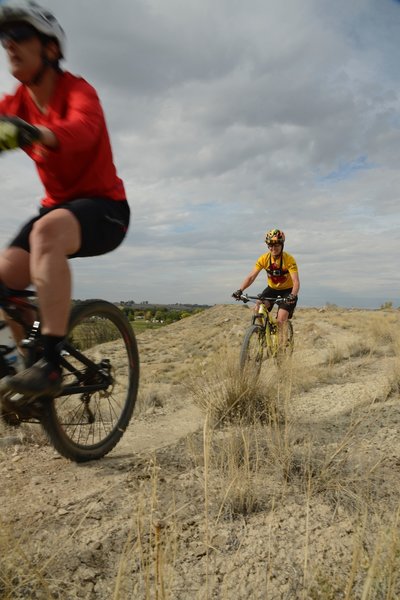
[(17, 33), (274, 244)]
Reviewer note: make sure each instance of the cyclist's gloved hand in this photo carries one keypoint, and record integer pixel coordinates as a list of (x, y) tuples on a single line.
[(291, 299), (15, 133), (237, 294)]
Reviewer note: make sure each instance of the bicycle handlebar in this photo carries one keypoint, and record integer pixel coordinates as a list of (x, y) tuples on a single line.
[(245, 298)]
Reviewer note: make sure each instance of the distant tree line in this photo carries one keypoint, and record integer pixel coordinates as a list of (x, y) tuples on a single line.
[(158, 315)]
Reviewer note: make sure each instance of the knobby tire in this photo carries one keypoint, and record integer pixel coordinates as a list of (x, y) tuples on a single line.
[(253, 348)]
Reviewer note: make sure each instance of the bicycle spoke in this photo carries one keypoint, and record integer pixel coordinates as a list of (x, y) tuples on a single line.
[(253, 347)]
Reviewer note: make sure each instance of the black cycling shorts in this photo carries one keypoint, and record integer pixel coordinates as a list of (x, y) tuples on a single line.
[(273, 293), (103, 222)]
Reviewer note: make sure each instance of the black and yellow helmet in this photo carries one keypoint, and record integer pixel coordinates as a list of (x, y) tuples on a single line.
[(275, 236)]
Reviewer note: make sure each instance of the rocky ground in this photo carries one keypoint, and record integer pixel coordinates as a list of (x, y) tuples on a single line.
[(300, 504)]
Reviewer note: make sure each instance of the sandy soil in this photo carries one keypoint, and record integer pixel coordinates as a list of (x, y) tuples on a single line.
[(162, 515)]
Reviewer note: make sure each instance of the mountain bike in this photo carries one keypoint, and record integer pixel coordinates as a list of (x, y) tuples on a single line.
[(100, 369), (262, 339)]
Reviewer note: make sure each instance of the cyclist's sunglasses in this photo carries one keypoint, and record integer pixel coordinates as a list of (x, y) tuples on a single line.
[(274, 245), (20, 32)]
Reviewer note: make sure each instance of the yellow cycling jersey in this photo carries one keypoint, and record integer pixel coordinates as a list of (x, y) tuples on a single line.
[(278, 269)]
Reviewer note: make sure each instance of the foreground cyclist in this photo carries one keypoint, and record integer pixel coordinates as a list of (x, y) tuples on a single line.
[(282, 276), (57, 119)]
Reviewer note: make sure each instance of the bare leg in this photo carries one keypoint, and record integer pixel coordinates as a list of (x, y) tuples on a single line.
[(258, 304), (14, 268), (53, 238), (283, 316), (14, 273)]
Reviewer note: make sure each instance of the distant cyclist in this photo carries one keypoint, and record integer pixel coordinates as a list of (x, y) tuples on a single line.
[(282, 276), (57, 119)]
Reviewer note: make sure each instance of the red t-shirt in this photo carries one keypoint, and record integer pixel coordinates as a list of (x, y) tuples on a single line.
[(82, 166)]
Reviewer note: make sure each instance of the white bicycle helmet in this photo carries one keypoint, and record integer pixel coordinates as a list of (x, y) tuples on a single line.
[(30, 12)]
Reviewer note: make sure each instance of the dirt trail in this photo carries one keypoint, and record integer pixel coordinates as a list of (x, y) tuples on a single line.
[(159, 431)]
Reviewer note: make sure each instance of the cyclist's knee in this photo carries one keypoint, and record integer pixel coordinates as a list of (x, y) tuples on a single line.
[(259, 303), (56, 231), (45, 229), (14, 268), (283, 315)]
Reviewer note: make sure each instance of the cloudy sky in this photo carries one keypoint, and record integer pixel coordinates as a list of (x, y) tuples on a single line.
[(229, 118)]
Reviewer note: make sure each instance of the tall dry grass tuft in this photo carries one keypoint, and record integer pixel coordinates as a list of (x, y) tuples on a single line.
[(146, 565), (238, 405), (22, 573), (352, 349), (383, 563), (391, 383), (149, 399), (381, 331), (227, 394), (370, 572), (257, 437), (236, 475)]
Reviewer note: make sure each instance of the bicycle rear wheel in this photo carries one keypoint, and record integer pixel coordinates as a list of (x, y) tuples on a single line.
[(87, 425), (253, 348)]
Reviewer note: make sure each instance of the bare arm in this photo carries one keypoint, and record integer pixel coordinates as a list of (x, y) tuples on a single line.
[(251, 277), (296, 283)]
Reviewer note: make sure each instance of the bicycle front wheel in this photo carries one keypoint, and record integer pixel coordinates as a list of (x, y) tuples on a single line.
[(253, 348), (83, 424), (290, 338)]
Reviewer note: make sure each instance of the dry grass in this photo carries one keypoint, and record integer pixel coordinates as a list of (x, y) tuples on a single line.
[(151, 545), (228, 395), (24, 574), (248, 460), (381, 329), (245, 455), (289, 491), (355, 348), (149, 399)]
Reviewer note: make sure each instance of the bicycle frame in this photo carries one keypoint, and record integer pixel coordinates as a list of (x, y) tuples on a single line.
[(268, 324), (91, 413), (266, 321), (14, 303)]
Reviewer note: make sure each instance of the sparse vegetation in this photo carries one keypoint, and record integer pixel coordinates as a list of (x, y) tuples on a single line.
[(154, 317), (286, 487), (387, 305)]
